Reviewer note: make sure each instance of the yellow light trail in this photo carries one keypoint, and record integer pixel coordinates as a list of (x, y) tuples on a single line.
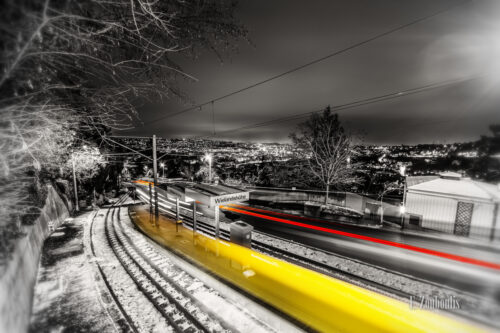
[(319, 301)]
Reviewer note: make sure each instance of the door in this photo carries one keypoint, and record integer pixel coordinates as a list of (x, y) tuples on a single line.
[(463, 218), (415, 220)]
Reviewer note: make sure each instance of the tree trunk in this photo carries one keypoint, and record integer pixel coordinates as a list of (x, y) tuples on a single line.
[(326, 193)]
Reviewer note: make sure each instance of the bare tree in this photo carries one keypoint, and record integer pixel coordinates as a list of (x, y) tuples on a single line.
[(188, 171), (86, 161), (387, 188), (327, 148), (103, 57), (72, 70)]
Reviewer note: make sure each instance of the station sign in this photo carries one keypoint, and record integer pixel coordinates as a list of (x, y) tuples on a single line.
[(229, 198)]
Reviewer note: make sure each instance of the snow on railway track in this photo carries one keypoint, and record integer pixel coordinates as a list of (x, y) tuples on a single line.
[(152, 292), (475, 308), (173, 302)]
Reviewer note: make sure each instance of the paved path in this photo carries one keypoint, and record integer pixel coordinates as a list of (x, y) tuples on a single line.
[(66, 297)]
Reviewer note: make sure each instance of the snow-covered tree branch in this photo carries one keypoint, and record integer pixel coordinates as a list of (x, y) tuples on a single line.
[(71, 71)]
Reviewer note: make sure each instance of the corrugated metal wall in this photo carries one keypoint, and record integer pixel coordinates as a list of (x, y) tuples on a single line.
[(437, 213)]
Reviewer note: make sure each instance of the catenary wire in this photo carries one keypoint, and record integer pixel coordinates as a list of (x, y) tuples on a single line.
[(310, 63)]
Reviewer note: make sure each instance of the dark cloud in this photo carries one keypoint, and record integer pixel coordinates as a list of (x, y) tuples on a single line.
[(288, 33)]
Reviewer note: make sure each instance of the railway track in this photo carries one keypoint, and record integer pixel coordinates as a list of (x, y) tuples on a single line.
[(273, 251), (309, 263), (180, 309), (126, 323), (350, 277), (338, 273)]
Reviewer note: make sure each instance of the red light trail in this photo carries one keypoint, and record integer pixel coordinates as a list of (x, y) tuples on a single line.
[(445, 255)]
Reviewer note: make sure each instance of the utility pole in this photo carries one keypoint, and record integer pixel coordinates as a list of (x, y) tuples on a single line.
[(150, 201), (177, 214), (217, 222), (77, 208), (155, 177), (402, 171), (210, 170), (382, 207), (194, 217)]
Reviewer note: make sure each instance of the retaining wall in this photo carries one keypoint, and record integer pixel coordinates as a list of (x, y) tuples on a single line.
[(371, 208), (348, 200), (18, 278)]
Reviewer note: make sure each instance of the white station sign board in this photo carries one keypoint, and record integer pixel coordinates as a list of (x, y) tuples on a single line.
[(229, 198)]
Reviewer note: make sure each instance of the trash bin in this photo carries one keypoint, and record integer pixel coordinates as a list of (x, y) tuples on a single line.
[(241, 233)]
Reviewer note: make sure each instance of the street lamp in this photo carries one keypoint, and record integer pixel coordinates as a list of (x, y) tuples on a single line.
[(163, 168), (77, 208), (402, 170), (402, 208), (208, 157), (402, 211)]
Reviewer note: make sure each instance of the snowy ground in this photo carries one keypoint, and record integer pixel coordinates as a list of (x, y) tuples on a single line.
[(240, 312), (71, 295), (65, 296), (145, 316)]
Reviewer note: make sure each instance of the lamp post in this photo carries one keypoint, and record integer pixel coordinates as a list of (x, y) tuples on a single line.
[(77, 207), (163, 169), (208, 157), (402, 208), (155, 180)]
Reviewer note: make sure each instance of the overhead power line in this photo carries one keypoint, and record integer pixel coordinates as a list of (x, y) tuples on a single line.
[(130, 137), (313, 62), (357, 103)]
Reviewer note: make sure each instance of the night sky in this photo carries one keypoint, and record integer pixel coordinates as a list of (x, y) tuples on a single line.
[(459, 43)]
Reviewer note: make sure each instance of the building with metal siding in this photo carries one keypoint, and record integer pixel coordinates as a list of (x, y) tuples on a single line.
[(453, 204)]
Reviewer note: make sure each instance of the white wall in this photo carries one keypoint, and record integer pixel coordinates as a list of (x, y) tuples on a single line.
[(437, 213), (482, 220), (18, 279), (497, 229)]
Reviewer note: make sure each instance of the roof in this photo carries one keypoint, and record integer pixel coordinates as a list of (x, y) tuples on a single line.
[(216, 189), (414, 180), (459, 187), (450, 175)]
